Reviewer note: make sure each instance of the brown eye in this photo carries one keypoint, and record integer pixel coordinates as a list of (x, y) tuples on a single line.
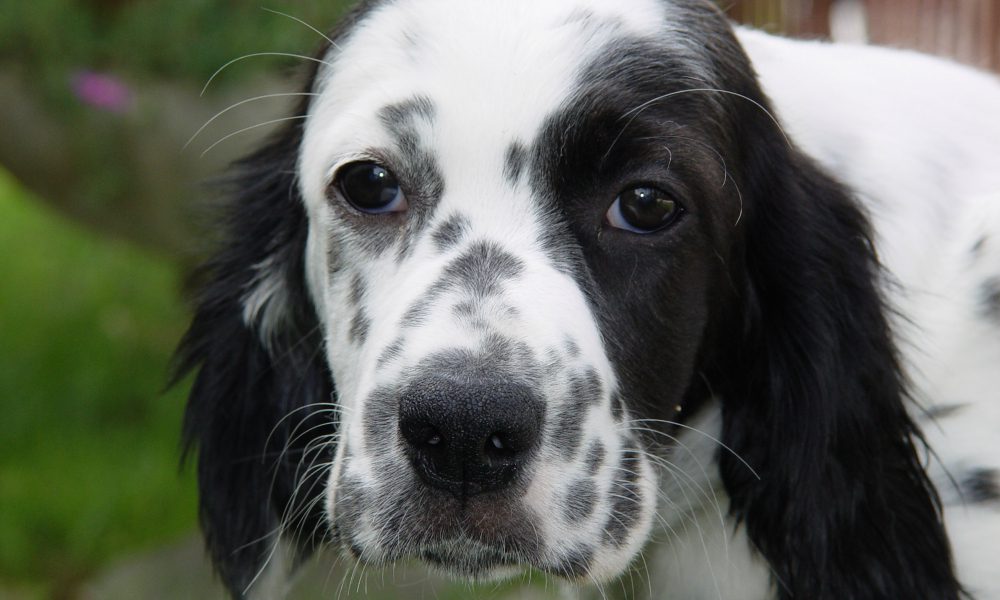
[(370, 187), (643, 210)]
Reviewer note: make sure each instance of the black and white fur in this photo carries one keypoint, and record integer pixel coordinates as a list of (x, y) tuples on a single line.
[(771, 398)]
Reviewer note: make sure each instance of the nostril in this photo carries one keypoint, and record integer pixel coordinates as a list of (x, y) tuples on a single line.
[(468, 437)]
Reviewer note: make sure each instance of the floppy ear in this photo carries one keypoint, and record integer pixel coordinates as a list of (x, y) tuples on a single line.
[(815, 401), (257, 399)]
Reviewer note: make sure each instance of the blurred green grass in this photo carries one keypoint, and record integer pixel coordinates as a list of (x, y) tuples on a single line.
[(88, 441), (164, 39)]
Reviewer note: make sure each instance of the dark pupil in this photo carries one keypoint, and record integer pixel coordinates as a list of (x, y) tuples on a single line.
[(647, 208), (369, 186)]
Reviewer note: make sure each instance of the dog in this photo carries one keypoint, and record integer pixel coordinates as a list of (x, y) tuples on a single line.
[(597, 288)]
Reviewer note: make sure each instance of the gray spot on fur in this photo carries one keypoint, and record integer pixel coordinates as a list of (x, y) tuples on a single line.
[(982, 485), (360, 325), (482, 268), (581, 497), (390, 353), (625, 500), (585, 389), (515, 161), (991, 298), (595, 457), (450, 233), (357, 293)]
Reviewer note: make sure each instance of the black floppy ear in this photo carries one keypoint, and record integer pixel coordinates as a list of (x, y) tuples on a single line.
[(256, 409), (815, 401)]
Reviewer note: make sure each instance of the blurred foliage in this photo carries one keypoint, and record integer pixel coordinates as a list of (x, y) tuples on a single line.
[(188, 39), (88, 439)]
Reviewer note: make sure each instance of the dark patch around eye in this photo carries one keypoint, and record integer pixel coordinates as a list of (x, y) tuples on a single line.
[(581, 497), (982, 485), (450, 233), (417, 171), (625, 500)]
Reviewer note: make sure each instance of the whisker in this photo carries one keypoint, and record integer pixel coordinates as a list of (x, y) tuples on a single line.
[(294, 18), (699, 432), (245, 129), (256, 54), (241, 103)]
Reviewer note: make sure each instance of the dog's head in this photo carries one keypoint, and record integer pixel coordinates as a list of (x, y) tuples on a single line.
[(469, 300)]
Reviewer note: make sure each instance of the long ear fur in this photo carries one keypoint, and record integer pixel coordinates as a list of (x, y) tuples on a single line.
[(815, 401), (262, 382)]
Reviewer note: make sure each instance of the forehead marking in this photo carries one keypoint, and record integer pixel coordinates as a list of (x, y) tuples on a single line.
[(449, 233)]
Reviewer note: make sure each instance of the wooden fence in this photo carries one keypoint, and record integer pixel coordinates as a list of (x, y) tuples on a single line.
[(965, 30)]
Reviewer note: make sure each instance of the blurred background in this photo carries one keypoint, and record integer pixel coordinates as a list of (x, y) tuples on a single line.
[(107, 141)]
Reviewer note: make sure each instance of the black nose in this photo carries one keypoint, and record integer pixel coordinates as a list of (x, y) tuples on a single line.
[(469, 437)]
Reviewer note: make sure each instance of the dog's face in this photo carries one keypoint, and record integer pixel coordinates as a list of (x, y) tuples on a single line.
[(472, 295), (493, 202)]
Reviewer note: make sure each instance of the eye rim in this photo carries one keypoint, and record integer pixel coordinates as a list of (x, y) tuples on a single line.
[(616, 218), (397, 204)]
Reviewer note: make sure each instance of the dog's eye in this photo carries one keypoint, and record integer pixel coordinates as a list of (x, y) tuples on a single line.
[(643, 210), (370, 188)]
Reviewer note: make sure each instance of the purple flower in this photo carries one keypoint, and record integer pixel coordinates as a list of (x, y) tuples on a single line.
[(101, 91)]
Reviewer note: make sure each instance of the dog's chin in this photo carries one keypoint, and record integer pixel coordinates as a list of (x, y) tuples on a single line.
[(472, 562)]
